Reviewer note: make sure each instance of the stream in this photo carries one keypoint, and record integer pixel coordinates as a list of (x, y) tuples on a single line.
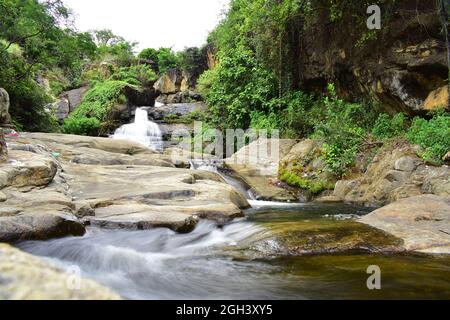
[(207, 263), (245, 259)]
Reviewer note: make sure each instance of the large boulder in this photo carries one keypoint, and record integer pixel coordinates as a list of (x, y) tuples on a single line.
[(74, 97), (142, 96), (257, 164), (395, 173), (423, 222), (176, 86), (25, 277), (35, 204), (172, 81), (61, 109)]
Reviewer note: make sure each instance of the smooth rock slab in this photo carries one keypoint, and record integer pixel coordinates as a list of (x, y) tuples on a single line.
[(423, 222), (27, 169), (38, 226), (25, 277)]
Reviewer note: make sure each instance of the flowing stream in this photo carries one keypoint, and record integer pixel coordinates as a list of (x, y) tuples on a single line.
[(242, 259), (213, 262)]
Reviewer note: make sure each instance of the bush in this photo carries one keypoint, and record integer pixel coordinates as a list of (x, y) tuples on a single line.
[(433, 136), (386, 127), (100, 99), (98, 104), (343, 129), (82, 126)]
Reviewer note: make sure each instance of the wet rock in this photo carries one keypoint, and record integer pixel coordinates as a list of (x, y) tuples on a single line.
[(39, 225), (317, 237), (258, 164), (25, 277), (422, 222), (141, 97), (53, 180)]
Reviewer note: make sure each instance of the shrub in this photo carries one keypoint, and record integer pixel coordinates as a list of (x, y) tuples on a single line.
[(343, 130), (98, 104), (82, 126), (432, 135), (100, 99), (386, 127)]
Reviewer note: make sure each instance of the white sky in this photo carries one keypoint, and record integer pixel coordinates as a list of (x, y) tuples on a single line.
[(152, 23)]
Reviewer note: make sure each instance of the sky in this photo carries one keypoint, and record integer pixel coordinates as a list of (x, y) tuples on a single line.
[(152, 23)]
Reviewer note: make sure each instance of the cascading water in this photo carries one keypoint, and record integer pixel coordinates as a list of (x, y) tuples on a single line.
[(142, 131), (239, 185)]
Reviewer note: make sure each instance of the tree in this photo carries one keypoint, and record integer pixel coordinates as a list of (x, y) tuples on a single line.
[(149, 54), (167, 59), (444, 12), (194, 61), (106, 37)]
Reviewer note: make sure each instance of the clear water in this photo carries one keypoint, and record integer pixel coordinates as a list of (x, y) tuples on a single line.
[(160, 264), (141, 131)]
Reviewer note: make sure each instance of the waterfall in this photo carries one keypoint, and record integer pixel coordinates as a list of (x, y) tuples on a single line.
[(142, 131)]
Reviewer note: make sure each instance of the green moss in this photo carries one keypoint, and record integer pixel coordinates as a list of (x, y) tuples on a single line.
[(294, 180)]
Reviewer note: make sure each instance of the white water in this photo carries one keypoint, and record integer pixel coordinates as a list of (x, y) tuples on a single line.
[(161, 264), (213, 166), (141, 131)]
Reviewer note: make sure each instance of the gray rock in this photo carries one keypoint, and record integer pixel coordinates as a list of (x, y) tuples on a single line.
[(422, 222), (407, 164), (74, 97), (25, 277)]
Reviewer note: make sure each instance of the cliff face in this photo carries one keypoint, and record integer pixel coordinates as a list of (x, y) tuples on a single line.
[(405, 68)]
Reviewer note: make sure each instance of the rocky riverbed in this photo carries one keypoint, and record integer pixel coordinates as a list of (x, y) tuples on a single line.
[(65, 187)]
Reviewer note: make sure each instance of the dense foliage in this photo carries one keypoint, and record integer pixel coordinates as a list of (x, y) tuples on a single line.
[(432, 135), (36, 41), (256, 84), (98, 104)]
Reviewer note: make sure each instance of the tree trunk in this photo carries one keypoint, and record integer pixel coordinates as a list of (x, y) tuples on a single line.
[(3, 149), (444, 11)]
